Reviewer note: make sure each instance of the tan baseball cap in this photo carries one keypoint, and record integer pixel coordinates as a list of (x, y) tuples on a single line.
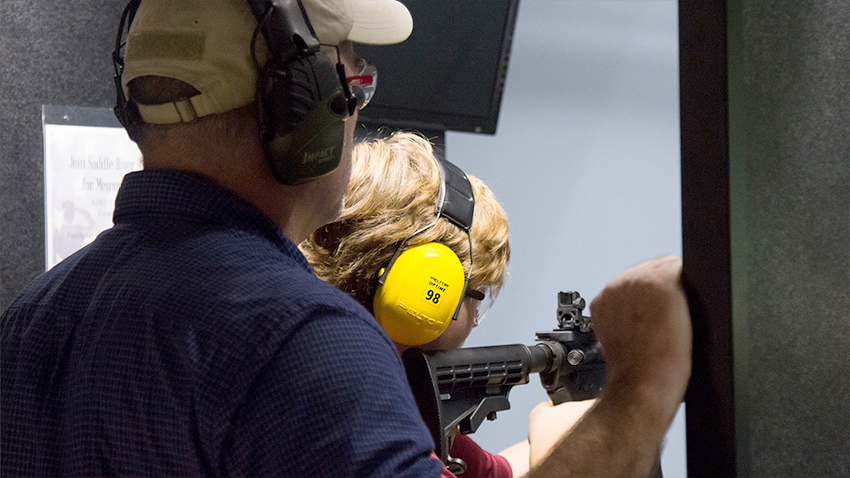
[(207, 44)]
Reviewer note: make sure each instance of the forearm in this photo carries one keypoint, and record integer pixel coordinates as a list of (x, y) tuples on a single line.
[(620, 436), (517, 456), (642, 321)]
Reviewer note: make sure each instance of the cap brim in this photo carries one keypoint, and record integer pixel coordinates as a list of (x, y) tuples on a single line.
[(379, 22)]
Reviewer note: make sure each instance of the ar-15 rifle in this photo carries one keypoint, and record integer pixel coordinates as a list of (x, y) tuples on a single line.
[(458, 389)]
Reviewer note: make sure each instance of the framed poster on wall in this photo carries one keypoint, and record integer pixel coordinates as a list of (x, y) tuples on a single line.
[(86, 155)]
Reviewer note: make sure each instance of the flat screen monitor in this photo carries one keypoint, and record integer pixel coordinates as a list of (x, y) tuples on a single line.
[(449, 75)]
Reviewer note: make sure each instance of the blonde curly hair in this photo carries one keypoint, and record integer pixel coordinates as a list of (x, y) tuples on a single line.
[(392, 194)]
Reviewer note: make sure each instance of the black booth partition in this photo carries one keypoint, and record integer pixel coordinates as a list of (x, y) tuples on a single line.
[(765, 115)]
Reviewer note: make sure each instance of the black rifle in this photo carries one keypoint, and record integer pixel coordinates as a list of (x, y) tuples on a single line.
[(458, 389)]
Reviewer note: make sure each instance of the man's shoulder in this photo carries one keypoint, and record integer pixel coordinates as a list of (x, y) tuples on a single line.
[(257, 283)]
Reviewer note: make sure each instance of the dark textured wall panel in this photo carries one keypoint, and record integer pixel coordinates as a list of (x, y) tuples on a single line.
[(789, 95), (765, 110), (51, 52)]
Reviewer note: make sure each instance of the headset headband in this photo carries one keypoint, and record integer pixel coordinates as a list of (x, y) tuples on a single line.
[(286, 28), (455, 200), (456, 203)]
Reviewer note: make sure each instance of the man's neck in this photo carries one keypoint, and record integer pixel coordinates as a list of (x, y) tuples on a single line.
[(242, 170)]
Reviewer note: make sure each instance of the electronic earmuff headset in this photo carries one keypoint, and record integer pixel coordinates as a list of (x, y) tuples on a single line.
[(421, 289), (303, 98)]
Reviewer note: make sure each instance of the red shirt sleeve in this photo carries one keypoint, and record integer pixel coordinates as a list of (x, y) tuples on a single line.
[(479, 463)]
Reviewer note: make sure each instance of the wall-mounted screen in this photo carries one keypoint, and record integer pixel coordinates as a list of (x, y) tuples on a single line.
[(449, 75)]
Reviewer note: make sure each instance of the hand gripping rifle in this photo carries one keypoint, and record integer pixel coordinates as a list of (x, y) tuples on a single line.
[(458, 389)]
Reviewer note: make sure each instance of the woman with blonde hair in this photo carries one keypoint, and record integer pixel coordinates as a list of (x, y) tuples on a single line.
[(389, 203)]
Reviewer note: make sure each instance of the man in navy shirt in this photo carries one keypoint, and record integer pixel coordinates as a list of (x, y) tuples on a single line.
[(193, 338)]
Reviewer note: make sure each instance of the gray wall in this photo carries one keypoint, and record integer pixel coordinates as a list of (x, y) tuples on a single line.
[(586, 163), (56, 53)]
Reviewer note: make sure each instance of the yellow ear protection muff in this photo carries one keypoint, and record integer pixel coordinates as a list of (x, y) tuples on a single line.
[(422, 287)]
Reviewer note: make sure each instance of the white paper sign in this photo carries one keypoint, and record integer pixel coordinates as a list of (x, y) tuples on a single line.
[(83, 169)]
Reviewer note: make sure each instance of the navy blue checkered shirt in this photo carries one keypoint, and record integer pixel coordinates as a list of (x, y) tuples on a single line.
[(193, 339)]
